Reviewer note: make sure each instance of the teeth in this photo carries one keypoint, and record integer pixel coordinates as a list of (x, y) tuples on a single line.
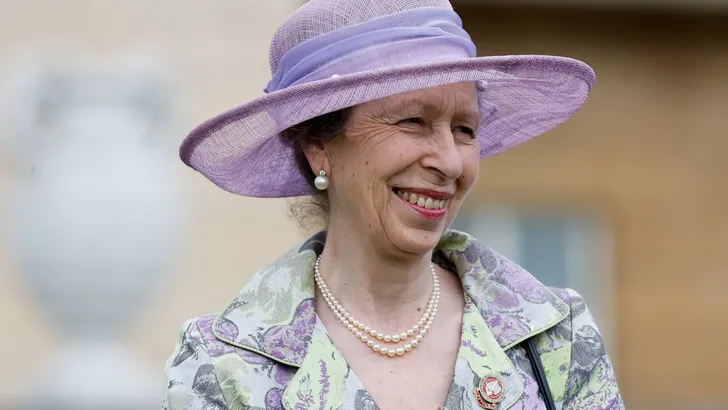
[(423, 201)]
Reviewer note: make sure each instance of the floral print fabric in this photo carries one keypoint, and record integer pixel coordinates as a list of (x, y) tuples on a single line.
[(268, 350)]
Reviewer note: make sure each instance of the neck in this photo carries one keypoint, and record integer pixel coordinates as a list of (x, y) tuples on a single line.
[(382, 288)]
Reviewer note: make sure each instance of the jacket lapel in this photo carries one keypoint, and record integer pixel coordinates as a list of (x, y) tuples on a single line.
[(513, 303), (324, 380), (274, 315)]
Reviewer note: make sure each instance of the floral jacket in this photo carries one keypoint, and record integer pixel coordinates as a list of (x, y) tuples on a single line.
[(268, 350)]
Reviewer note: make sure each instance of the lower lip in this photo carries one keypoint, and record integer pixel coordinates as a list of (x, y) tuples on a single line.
[(427, 213)]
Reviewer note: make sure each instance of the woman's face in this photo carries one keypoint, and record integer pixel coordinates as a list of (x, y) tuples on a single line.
[(404, 165)]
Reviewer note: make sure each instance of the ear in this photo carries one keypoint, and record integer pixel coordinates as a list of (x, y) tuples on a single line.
[(318, 159)]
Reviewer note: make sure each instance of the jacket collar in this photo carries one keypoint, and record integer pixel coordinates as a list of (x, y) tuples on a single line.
[(274, 314)]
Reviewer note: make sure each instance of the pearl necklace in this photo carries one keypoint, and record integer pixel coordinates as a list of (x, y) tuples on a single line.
[(373, 338)]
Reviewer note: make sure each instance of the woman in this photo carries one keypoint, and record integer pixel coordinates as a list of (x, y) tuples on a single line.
[(380, 111)]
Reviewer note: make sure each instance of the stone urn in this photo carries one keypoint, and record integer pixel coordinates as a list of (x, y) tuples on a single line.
[(93, 219)]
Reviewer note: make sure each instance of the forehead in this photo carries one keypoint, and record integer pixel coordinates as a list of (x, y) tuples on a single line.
[(459, 99)]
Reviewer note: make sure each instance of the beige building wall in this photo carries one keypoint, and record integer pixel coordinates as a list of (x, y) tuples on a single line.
[(218, 52)]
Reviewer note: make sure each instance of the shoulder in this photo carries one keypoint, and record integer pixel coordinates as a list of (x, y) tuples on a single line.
[(580, 329), (206, 372), (196, 337), (590, 381), (580, 322), (191, 380)]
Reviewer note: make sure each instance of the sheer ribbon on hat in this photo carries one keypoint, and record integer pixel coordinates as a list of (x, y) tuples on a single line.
[(386, 41)]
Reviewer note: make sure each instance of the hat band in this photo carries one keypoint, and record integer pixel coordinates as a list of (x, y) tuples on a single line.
[(409, 37)]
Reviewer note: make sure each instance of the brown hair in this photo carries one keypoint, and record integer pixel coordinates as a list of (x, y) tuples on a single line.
[(312, 212)]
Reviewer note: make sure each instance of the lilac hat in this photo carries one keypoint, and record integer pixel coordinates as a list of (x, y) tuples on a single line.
[(333, 54)]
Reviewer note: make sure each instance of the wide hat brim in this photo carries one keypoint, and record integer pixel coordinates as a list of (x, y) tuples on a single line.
[(520, 97)]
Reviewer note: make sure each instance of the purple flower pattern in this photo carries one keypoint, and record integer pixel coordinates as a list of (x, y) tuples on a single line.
[(216, 347), (290, 341), (274, 399), (324, 381)]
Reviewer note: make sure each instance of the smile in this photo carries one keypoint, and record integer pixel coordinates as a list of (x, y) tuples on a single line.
[(430, 206), (420, 200)]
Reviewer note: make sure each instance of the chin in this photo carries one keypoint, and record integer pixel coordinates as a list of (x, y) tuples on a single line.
[(414, 241)]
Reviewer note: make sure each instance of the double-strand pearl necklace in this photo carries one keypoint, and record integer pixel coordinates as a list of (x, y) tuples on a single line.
[(373, 338)]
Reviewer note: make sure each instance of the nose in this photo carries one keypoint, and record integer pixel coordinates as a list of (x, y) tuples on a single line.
[(444, 157)]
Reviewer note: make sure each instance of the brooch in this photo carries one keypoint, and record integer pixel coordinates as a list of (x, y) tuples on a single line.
[(489, 392)]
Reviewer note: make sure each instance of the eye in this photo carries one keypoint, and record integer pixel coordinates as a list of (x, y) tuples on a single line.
[(413, 120), (466, 130)]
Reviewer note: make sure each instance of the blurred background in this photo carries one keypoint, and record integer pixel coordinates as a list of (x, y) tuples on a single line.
[(109, 243)]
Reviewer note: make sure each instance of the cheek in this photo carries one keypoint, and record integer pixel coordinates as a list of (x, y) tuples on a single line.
[(392, 154), (363, 171)]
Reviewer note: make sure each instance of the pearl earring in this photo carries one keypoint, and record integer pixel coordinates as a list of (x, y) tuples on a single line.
[(322, 181)]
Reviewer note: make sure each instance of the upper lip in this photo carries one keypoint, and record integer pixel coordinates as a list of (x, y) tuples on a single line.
[(428, 192)]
